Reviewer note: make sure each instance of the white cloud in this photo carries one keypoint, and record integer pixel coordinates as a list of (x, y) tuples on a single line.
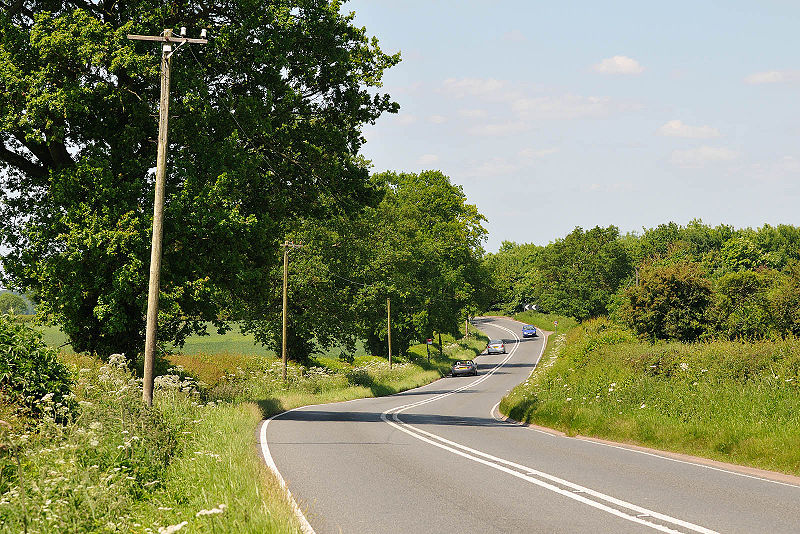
[(515, 36), (698, 157), (676, 128), (570, 107), (500, 128), (491, 168), (437, 119), (785, 169), (427, 159), (773, 76), (473, 113), (405, 120), (460, 88), (530, 153), (618, 65)]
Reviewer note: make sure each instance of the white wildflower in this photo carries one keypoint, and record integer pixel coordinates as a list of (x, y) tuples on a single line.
[(172, 528), (218, 510)]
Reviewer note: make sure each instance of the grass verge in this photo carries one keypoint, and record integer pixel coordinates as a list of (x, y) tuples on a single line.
[(188, 464), (729, 401)]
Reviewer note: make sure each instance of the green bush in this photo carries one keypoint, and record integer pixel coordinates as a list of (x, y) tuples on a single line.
[(31, 377), (670, 302)]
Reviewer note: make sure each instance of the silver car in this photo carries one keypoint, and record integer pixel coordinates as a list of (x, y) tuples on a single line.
[(496, 346)]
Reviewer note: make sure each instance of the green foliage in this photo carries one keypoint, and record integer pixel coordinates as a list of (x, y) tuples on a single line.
[(420, 247), (121, 466), (11, 303), (670, 302), (741, 307), (750, 288), (784, 301), (265, 127), (514, 278), (31, 377), (731, 401)]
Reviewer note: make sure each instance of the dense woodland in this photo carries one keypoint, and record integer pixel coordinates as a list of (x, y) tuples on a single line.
[(670, 282)]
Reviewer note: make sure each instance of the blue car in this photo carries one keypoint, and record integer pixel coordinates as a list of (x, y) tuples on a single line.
[(529, 331)]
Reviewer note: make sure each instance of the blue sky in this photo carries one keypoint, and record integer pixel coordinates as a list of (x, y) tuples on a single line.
[(553, 115)]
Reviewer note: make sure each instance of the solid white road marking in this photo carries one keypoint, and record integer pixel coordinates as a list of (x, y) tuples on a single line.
[(305, 526), (528, 473), (677, 460)]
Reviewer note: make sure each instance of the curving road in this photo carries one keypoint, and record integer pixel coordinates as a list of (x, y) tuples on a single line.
[(436, 459)]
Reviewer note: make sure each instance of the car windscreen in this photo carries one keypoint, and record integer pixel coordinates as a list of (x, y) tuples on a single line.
[(495, 342)]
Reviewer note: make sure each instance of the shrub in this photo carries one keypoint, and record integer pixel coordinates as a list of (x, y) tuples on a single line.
[(669, 303), (30, 371)]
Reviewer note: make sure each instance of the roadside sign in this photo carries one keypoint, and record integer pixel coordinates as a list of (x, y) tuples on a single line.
[(430, 341), (555, 323)]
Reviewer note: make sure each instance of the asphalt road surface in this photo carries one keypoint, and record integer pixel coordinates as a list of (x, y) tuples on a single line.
[(436, 459)]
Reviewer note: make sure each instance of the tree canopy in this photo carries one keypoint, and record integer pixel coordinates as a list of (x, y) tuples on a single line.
[(669, 282), (265, 128), (421, 247)]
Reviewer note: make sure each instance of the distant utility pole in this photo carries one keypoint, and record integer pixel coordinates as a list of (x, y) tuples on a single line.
[(167, 40), (286, 245), (389, 328)]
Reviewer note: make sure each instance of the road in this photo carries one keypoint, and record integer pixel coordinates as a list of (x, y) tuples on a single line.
[(437, 459)]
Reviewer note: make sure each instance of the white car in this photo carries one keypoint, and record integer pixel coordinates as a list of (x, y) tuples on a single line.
[(496, 346)]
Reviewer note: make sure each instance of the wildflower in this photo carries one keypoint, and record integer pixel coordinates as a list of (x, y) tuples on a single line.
[(96, 425), (218, 510), (684, 366), (569, 399), (642, 406), (172, 528), (94, 443)]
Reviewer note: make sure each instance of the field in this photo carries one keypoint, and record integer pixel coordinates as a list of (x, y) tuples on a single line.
[(730, 401), (189, 463)]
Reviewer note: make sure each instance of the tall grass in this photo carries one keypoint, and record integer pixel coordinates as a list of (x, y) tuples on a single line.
[(730, 401), (190, 463)]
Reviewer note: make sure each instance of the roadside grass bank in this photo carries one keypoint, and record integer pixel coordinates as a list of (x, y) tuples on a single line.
[(729, 401), (190, 463)]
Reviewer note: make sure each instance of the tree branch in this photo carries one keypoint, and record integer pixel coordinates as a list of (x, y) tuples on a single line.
[(21, 162)]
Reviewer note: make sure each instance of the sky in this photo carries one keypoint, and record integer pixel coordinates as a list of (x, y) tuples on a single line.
[(559, 114)]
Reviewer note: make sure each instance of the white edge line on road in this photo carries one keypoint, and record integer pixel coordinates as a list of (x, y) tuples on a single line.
[(622, 447), (305, 526), (494, 462), (676, 460)]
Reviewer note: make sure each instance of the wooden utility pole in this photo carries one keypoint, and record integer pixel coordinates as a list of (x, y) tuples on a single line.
[(389, 328), (286, 245), (158, 205)]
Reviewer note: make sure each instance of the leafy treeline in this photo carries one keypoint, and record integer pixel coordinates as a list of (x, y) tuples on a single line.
[(669, 282), (11, 303), (420, 247)]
